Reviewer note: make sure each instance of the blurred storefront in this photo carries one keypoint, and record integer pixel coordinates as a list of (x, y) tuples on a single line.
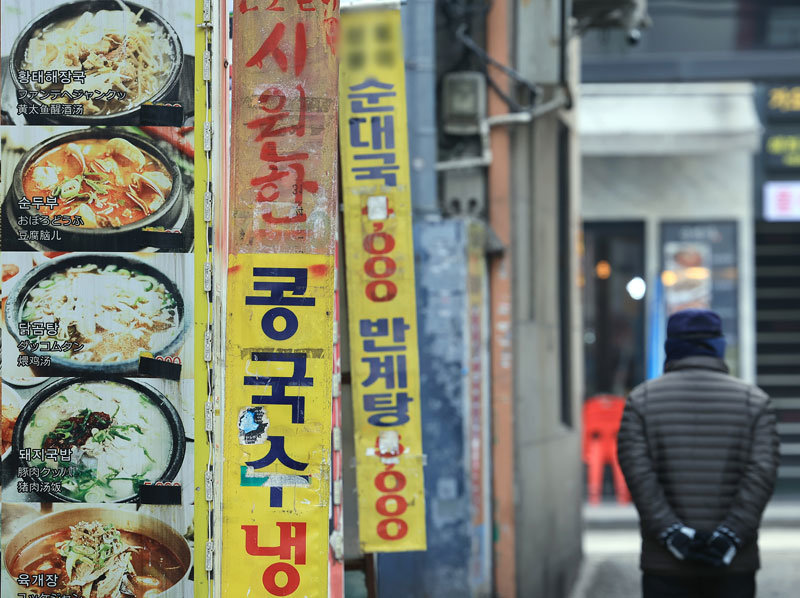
[(708, 169), (777, 267), (667, 202)]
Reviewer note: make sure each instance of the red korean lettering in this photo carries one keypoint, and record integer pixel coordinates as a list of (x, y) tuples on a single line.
[(292, 536), (386, 533), (281, 578), (382, 505), (268, 182), (300, 48), (270, 579), (275, 7), (371, 269), (298, 188), (377, 243), (381, 290), (269, 153), (391, 505), (272, 101), (398, 477), (270, 47), (331, 25)]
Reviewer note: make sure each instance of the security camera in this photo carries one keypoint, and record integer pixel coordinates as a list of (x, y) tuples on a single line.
[(634, 36)]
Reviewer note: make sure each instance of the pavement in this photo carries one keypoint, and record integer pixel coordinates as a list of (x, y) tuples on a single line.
[(611, 553)]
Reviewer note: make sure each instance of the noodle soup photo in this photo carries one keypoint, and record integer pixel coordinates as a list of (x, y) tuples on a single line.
[(99, 440), (109, 188), (98, 61), (97, 552), (91, 314)]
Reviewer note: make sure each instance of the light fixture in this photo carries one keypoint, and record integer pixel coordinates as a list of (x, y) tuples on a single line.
[(636, 288), (697, 273), (603, 270)]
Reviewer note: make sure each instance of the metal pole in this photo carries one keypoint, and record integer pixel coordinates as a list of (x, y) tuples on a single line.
[(419, 31)]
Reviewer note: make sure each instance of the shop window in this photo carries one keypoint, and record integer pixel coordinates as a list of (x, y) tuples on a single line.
[(614, 298)]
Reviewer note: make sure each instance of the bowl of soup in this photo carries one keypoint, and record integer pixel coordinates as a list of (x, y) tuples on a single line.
[(120, 47), (114, 552), (112, 436), (10, 407), (104, 311), (96, 188)]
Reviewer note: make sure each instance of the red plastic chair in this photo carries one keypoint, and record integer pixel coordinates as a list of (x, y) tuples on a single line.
[(601, 419)]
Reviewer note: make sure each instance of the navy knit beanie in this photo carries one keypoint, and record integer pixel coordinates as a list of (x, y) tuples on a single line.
[(694, 332)]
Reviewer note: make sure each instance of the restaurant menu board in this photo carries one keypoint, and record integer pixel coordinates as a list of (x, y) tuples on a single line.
[(280, 300), (103, 302), (699, 271), (384, 356)]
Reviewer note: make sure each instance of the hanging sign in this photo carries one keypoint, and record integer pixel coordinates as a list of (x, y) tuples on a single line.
[(280, 299), (380, 283)]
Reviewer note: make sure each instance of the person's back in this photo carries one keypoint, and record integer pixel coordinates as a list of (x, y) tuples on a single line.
[(699, 451)]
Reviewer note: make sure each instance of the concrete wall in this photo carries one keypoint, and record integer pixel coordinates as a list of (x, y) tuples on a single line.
[(680, 187), (443, 570), (549, 486)]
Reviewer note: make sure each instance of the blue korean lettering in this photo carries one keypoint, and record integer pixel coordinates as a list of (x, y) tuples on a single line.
[(369, 101), (290, 323), (298, 405), (297, 287), (355, 133), (384, 171), (277, 452), (278, 384), (382, 131), (369, 329), (384, 368), (391, 409)]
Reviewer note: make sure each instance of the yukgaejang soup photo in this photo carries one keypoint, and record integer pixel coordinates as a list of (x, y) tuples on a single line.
[(97, 559), (109, 183)]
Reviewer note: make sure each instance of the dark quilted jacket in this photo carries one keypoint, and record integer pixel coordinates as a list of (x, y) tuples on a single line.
[(698, 447)]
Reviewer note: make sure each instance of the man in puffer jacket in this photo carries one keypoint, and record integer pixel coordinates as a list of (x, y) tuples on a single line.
[(699, 450)]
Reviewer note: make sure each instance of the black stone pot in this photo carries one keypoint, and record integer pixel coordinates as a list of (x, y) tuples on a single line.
[(77, 238), (177, 439), (65, 366), (168, 92)]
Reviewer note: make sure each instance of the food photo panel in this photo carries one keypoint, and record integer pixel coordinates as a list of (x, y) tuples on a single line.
[(96, 314), (99, 440), (97, 551), (98, 62), (97, 189)]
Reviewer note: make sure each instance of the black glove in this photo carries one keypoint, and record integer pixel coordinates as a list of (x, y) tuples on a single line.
[(720, 548), (678, 539)]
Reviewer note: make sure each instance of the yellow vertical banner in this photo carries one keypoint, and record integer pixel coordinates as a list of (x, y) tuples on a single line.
[(278, 418), (280, 299), (381, 295)]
